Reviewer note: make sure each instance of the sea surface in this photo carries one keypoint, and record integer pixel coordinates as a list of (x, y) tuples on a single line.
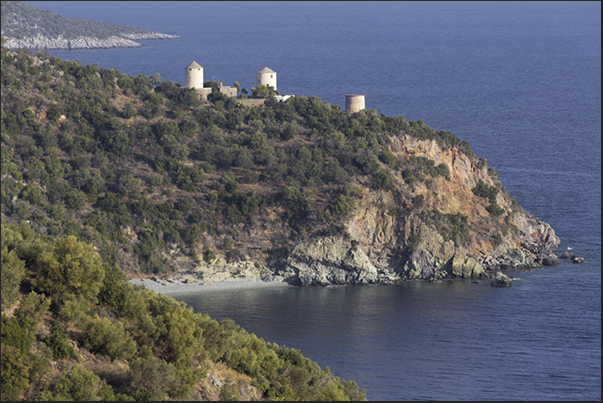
[(520, 81)]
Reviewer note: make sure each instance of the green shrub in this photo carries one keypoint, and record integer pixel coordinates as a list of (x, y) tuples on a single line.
[(418, 201), (11, 275), (151, 378), (343, 206), (494, 209), (15, 366), (78, 384), (208, 255), (389, 159), (453, 227), (17, 333), (229, 392), (382, 180), (33, 308), (109, 339), (483, 190), (497, 239), (72, 268), (58, 341)]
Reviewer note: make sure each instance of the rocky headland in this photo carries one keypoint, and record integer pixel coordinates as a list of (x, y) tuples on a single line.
[(381, 247), (377, 200)]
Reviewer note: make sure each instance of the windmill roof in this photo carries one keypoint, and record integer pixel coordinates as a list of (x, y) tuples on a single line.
[(194, 65), (266, 70)]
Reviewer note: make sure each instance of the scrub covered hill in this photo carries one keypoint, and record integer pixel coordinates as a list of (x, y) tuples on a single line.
[(295, 190), (73, 328), (26, 26)]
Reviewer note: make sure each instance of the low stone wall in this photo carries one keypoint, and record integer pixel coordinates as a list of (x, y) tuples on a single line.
[(252, 101)]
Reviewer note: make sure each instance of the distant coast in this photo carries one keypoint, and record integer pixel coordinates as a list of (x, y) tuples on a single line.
[(26, 26), (41, 42)]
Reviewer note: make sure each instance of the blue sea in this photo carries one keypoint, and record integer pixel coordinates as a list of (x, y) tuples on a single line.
[(520, 81)]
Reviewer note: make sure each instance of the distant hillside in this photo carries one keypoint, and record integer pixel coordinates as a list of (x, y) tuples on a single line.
[(26, 26)]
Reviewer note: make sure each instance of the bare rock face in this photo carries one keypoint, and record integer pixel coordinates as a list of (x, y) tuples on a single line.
[(465, 266), (412, 243), (328, 261), (420, 265), (408, 246)]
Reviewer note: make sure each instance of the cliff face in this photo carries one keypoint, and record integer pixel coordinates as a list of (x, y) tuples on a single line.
[(379, 246)]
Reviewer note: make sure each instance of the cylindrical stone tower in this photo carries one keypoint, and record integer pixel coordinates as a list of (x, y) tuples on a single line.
[(193, 76), (265, 77), (354, 103)]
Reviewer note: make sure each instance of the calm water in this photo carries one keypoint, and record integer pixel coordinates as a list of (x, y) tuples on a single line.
[(520, 81)]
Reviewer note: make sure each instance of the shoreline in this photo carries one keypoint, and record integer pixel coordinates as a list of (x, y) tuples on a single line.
[(196, 287)]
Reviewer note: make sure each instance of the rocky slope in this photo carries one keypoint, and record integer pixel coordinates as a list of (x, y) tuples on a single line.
[(25, 26), (381, 247)]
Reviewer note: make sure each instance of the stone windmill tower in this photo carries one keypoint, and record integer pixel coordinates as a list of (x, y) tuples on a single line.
[(354, 102), (193, 76), (266, 77)]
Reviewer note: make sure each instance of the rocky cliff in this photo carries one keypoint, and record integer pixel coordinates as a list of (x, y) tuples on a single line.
[(379, 246), (383, 247)]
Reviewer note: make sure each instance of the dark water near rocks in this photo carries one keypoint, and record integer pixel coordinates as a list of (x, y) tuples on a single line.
[(520, 81)]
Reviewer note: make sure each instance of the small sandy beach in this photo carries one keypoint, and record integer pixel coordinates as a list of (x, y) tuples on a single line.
[(180, 287)]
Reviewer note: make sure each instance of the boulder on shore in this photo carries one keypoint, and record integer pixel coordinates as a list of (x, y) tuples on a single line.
[(550, 260), (501, 280), (578, 259), (567, 255)]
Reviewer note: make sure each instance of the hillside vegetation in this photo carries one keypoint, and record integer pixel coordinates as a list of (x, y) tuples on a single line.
[(105, 174), (160, 182), (74, 329)]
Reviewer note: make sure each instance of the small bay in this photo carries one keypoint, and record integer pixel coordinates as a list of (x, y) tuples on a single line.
[(457, 340)]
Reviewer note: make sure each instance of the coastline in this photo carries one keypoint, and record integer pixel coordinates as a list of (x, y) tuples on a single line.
[(195, 287)]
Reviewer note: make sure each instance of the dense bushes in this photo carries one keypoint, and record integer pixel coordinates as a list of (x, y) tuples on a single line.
[(164, 342), (489, 192), (71, 273), (486, 191), (453, 227), (108, 339), (12, 273)]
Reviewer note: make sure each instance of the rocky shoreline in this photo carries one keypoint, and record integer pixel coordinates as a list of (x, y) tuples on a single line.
[(40, 42), (194, 282)]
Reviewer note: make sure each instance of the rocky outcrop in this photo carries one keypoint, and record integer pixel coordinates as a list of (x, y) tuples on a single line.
[(408, 247), (501, 280), (573, 257), (328, 261), (377, 246)]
